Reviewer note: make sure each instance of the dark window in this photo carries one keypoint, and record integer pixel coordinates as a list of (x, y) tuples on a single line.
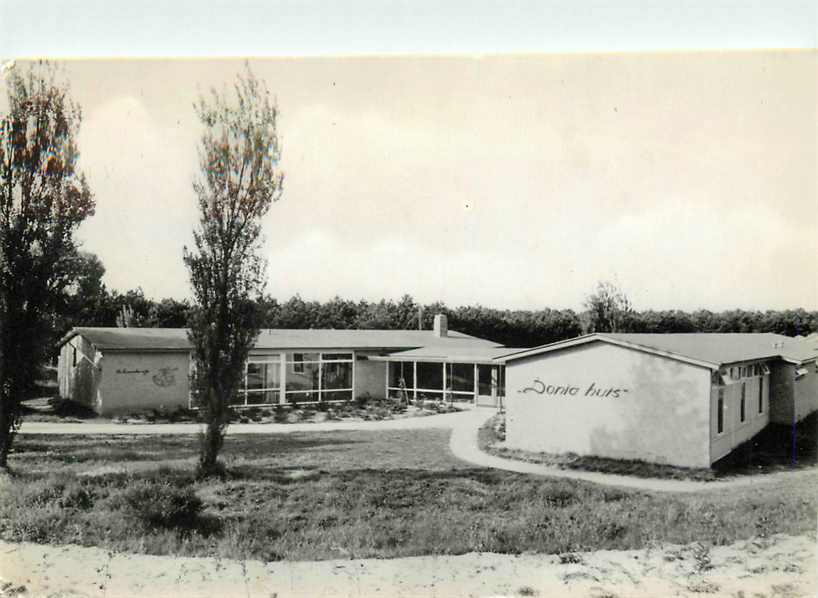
[(298, 363), (720, 412), (743, 397), (430, 375), (74, 357), (460, 377), (401, 370), (761, 395)]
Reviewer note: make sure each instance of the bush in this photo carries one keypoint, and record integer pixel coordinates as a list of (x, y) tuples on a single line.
[(68, 408), (161, 505)]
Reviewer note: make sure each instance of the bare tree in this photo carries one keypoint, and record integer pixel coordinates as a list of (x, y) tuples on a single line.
[(239, 154), (43, 199)]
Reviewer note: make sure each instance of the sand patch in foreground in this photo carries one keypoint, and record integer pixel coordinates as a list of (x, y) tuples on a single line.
[(783, 566)]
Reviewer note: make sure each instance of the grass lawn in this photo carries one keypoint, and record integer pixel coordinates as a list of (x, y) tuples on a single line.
[(351, 494)]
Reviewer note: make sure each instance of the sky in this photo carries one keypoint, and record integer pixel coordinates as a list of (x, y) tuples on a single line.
[(517, 181)]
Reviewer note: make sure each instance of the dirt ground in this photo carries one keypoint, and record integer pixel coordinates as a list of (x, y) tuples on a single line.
[(780, 566)]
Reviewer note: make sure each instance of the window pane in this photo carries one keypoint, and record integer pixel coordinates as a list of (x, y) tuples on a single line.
[(430, 396), (255, 375), (336, 356), (266, 397), (337, 395), (263, 375), (398, 369), (461, 377), (305, 378), (430, 375), (720, 412), (396, 393), (336, 375), (484, 373), (301, 397), (298, 357), (501, 380)]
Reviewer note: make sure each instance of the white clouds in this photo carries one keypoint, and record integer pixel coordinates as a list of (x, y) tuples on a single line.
[(140, 173), (514, 182)]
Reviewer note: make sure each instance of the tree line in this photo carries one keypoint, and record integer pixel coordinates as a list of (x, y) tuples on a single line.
[(94, 305)]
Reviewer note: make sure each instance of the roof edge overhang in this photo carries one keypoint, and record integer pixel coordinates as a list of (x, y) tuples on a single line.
[(597, 337), (434, 359)]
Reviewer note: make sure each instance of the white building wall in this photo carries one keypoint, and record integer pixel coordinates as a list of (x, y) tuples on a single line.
[(370, 379), (141, 381), (735, 430), (609, 401)]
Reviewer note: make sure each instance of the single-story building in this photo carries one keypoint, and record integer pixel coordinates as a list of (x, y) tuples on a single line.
[(681, 399), (117, 370)]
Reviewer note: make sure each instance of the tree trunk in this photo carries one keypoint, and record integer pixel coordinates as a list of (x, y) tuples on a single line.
[(6, 433), (212, 437)]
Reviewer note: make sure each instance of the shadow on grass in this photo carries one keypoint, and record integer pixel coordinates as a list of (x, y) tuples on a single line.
[(776, 448), (34, 448), (773, 450)]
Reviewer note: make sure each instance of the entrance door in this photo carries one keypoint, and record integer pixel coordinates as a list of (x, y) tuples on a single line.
[(487, 385)]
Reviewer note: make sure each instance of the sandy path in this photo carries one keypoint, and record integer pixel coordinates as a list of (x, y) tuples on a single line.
[(446, 420), (782, 566)]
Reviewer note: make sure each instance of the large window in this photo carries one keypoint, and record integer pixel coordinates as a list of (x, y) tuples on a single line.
[(316, 377), (460, 380), (402, 373), (455, 381), (262, 381), (485, 373), (430, 376)]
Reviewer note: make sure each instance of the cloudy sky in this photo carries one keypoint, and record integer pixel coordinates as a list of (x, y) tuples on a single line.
[(514, 182)]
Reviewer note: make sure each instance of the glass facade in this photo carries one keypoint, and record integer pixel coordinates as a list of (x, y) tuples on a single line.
[(262, 381), (430, 376), (453, 381), (318, 377), (402, 370), (305, 378)]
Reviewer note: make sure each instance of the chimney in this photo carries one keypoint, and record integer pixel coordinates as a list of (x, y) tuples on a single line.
[(441, 326)]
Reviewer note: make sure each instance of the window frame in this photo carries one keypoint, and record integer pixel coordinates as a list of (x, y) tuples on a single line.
[(245, 392), (720, 411), (298, 363), (742, 410), (290, 396)]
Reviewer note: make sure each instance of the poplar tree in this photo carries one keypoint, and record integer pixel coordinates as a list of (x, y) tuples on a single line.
[(43, 199), (239, 179)]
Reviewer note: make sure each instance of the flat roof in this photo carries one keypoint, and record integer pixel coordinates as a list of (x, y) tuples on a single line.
[(709, 349), (175, 339), (455, 354)]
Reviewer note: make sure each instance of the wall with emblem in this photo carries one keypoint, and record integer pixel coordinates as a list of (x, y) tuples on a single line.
[(149, 380), (609, 401)]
